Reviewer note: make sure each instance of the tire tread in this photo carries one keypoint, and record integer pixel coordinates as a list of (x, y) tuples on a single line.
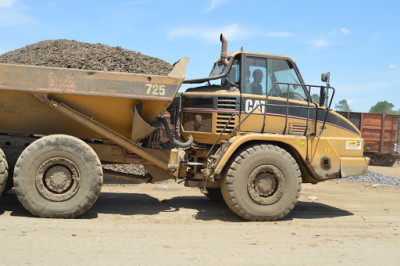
[(228, 184), (31, 150), (3, 172)]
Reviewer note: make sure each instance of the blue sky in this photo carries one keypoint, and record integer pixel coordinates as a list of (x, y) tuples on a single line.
[(357, 41)]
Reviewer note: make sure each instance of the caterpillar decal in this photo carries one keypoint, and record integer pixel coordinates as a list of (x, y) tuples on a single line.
[(297, 110)]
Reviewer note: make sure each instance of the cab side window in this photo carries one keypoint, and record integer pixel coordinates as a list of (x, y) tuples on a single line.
[(255, 76), (234, 73), (236, 70), (281, 70)]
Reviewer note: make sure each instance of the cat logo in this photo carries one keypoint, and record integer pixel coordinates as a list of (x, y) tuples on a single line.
[(251, 104)]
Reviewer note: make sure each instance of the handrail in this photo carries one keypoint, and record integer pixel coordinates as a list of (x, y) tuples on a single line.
[(265, 105), (230, 135), (308, 101), (220, 135)]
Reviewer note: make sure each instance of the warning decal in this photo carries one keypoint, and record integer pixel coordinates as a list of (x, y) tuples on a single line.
[(354, 145)]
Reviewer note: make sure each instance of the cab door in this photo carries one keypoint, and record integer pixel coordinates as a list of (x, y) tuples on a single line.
[(254, 89), (274, 105)]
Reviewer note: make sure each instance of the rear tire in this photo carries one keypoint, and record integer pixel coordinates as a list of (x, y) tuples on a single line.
[(11, 160), (58, 176), (3, 172), (262, 183)]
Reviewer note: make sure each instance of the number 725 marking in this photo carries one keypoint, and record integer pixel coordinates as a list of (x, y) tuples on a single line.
[(155, 89)]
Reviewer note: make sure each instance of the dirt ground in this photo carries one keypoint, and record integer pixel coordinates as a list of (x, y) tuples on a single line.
[(333, 223)]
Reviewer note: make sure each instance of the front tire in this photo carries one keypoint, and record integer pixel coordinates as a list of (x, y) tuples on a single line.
[(58, 176), (262, 183)]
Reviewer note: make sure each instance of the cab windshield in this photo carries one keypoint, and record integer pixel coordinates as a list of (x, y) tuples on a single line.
[(218, 69), (268, 76)]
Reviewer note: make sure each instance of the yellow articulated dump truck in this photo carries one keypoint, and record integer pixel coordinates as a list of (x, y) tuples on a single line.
[(249, 134)]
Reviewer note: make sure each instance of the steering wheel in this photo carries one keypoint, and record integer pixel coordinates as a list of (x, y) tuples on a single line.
[(276, 92)]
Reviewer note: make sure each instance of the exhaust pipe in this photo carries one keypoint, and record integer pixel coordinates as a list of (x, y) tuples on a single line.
[(224, 50)]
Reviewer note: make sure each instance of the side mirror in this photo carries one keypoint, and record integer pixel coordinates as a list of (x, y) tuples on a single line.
[(326, 77)]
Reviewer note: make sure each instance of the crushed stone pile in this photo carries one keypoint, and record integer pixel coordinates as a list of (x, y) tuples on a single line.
[(80, 55), (373, 177)]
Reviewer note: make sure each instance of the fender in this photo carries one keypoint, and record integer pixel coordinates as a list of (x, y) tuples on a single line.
[(298, 143)]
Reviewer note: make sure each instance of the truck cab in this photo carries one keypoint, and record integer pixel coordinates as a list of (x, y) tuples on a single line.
[(248, 82), (262, 98)]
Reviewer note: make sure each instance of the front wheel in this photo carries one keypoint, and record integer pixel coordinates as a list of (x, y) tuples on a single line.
[(58, 176), (262, 183)]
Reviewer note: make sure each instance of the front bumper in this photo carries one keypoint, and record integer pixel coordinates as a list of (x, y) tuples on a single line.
[(352, 166)]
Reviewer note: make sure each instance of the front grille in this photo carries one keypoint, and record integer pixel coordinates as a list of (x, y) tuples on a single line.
[(222, 120), (200, 122), (227, 103)]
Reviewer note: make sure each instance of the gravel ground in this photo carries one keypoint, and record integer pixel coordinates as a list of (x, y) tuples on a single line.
[(332, 224), (135, 169), (373, 177)]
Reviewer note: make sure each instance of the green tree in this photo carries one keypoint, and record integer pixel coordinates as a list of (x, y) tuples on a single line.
[(343, 106), (383, 107), (315, 98)]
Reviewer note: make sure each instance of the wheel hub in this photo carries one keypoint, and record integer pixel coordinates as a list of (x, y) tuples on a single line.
[(266, 184), (57, 179)]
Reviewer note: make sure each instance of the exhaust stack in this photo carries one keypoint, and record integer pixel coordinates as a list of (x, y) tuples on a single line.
[(224, 50)]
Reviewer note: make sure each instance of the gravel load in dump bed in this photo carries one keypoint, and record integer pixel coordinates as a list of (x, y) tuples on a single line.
[(73, 54), (373, 177)]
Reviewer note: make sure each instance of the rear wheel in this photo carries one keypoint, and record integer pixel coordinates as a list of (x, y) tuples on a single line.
[(262, 183), (58, 176), (3, 172), (11, 160)]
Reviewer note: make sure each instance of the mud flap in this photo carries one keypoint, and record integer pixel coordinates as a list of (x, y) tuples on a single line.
[(140, 128)]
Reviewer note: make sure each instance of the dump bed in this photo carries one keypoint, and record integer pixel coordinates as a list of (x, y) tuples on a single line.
[(107, 97)]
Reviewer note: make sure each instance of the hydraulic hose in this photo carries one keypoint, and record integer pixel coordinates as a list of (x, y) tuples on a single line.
[(176, 142)]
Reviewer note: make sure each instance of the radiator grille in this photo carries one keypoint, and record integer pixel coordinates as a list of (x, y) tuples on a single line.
[(222, 120), (227, 103)]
